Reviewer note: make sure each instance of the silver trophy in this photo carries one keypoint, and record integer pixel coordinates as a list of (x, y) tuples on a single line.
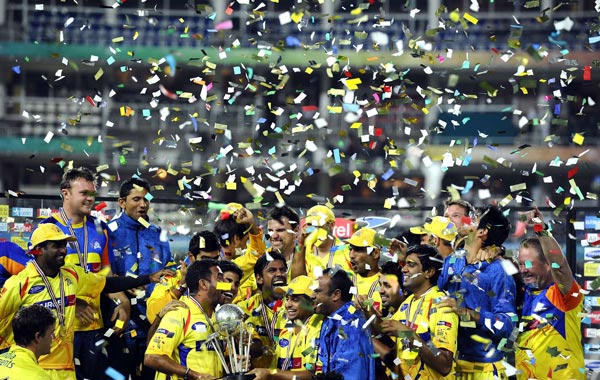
[(237, 337)]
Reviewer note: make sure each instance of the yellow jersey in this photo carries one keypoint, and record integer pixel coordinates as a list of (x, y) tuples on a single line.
[(267, 321), (19, 363), (549, 345), (28, 288), (368, 287), (182, 335), (256, 248), (432, 325), (339, 254), (161, 295), (296, 349), (98, 257)]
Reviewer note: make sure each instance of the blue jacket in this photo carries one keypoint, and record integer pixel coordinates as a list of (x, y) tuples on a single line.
[(345, 347), (487, 288), (137, 250), (12, 260)]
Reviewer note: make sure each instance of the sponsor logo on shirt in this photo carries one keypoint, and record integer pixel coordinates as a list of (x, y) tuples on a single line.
[(96, 245), (199, 326), (36, 289), (284, 343), (166, 332)]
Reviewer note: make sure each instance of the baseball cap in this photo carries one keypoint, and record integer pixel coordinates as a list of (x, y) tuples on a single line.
[(319, 216), (300, 285), (441, 227), (49, 232), (365, 237)]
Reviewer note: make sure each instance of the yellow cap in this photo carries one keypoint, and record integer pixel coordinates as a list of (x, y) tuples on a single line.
[(441, 227), (365, 237), (232, 207), (49, 232), (418, 230), (319, 216), (300, 285)]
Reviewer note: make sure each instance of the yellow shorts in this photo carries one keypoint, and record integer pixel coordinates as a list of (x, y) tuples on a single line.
[(480, 371)]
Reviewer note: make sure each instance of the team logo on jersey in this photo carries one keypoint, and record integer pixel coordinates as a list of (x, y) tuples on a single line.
[(283, 343), (404, 307), (36, 289), (166, 332), (96, 245)]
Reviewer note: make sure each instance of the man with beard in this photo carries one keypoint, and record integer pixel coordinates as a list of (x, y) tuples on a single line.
[(549, 345), (47, 281), (425, 333), (179, 348), (92, 251), (139, 248), (264, 310), (391, 288), (203, 245), (344, 345), (282, 230), (364, 261), (242, 242), (295, 351)]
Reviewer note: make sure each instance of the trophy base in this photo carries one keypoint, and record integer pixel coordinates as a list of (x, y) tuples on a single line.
[(239, 376)]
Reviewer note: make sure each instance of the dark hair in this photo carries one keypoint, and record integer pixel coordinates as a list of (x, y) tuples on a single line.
[(469, 209), (29, 321), (227, 229), (263, 261), (211, 242), (430, 259), (535, 244), (339, 279), (390, 267), (131, 183), (230, 266), (72, 174), (497, 225), (279, 212), (199, 270), (409, 238)]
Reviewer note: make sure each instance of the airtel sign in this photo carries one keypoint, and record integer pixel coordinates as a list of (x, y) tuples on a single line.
[(343, 228)]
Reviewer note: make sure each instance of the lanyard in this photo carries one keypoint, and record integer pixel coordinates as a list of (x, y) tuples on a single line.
[(60, 306), (269, 325), (414, 317), (331, 254), (82, 256), (292, 348), (371, 289), (203, 312)]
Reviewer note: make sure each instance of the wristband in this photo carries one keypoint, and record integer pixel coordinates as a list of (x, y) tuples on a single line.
[(187, 373)]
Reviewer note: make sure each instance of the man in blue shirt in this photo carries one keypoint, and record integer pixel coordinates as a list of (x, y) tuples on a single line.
[(483, 295), (139, 248), (344, 346)]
